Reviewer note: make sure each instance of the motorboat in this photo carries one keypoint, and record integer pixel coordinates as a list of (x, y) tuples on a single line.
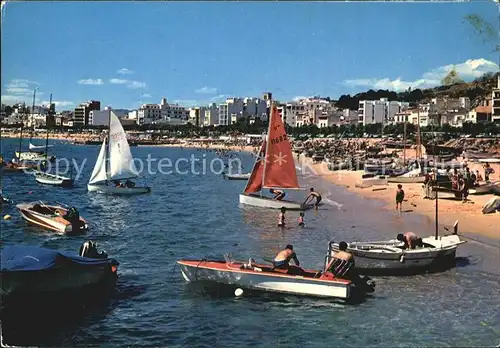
[(33, 276), (491, 206), (53, 179), (36, 156), (266, 278), (390, 258), (274, 167), (53, 217), (115, 177), (38, 147), (245, 176)]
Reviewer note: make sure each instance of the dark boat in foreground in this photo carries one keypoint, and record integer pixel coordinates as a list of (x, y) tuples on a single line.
[(39, 276)]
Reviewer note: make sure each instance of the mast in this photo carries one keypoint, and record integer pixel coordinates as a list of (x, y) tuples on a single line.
[(107, 152), (47, 126), (404, 142), (32, 114), (267, 140), (21, 135)]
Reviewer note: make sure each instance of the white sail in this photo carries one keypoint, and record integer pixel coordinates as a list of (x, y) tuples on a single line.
[(99, 174), (38, 147), (120, 158)]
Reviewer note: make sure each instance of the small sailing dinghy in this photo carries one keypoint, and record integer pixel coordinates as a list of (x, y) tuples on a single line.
[(115, 167), (274, 168), (53, 217)]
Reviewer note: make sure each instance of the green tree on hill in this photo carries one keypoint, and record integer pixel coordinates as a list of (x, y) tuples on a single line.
[(452, 78)]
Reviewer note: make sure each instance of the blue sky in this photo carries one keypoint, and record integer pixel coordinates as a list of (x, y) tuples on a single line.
[(128, 53)]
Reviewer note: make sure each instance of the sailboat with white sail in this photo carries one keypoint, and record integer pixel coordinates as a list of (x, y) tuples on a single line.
[(114, 168), (273, 168)]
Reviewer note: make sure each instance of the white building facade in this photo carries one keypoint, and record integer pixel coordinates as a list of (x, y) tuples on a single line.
[(379, 111), (101, 117)]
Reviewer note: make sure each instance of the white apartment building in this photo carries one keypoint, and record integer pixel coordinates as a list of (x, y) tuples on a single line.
[(133, 115), (495, 102), (290, 112), (101, 117), (162, 113), (231, 111), (379, 111), (211, 115), (197, 115), (255, 107)]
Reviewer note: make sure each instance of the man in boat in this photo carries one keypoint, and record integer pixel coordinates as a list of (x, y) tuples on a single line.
[(410, 239), (283, 258), (341, 263), (313, 194), (278, 194)]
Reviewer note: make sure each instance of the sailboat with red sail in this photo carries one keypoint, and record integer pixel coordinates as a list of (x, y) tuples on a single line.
[(273, 168)]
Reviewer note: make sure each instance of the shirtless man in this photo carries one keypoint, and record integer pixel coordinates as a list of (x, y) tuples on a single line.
[(313, 194), (282, 259), (341, 262), (278, 194), (410, 239)]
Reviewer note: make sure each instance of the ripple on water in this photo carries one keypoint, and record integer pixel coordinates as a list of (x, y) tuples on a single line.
[(196, 216)]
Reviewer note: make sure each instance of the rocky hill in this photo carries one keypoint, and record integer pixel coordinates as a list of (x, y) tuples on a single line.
[(477, 90)]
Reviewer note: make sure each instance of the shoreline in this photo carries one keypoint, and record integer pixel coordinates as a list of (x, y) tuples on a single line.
[(471, 219)]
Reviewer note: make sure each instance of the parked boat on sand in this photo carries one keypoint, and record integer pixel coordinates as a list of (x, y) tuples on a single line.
[(53, 217)]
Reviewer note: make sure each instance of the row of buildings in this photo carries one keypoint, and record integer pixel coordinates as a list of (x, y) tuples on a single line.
[(308, 111)]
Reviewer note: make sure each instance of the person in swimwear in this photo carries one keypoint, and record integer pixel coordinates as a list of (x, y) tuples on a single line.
[(278, 194), (282, 259), (301, 219), (410, 239), (341, 263), (313, 194), (281, 217), (400, 195)]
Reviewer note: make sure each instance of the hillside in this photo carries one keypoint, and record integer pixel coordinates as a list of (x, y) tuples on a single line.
[(477, 90)]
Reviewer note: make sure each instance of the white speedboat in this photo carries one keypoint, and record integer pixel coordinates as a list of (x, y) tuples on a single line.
[(53, 179), (236, 176), (115, 178), (274, 167), (389, 257), (53, 217), (259, 277), (38, 147)]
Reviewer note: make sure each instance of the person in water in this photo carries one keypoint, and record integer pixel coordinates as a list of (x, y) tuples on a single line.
[(400, 195), (278, 194), (313, 194), (283, 258), (410, 239), (341, 263), (301, 219), (281, 217)]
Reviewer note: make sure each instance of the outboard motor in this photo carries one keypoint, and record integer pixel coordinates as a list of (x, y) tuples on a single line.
[(89, 249), (73, 216)]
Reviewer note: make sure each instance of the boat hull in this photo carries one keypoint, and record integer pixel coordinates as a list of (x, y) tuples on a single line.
[(265, 202), (52, 223), (231, 274), (407, 179), (56, 180), (236, 176), (385, 258), (118, 190), (33, 156)]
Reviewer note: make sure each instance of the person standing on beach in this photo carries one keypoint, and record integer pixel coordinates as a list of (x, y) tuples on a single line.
[(400, 195)]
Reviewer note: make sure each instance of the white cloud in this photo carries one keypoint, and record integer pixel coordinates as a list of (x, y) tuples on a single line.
[(146, 95), (125, 71), (59, 103), (95, 82), (12, 99), (206, 90), (468, 70), (187, 102), (128, 83), (299, 98), (21, 87), (218, 97)]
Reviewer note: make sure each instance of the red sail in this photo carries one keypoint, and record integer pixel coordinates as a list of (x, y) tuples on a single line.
[(254, 183), (280, 167)]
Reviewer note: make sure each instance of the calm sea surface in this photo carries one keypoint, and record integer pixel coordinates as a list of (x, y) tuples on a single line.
[(199, 216)]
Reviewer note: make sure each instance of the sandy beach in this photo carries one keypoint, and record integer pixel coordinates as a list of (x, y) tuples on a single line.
[(468, 214)]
